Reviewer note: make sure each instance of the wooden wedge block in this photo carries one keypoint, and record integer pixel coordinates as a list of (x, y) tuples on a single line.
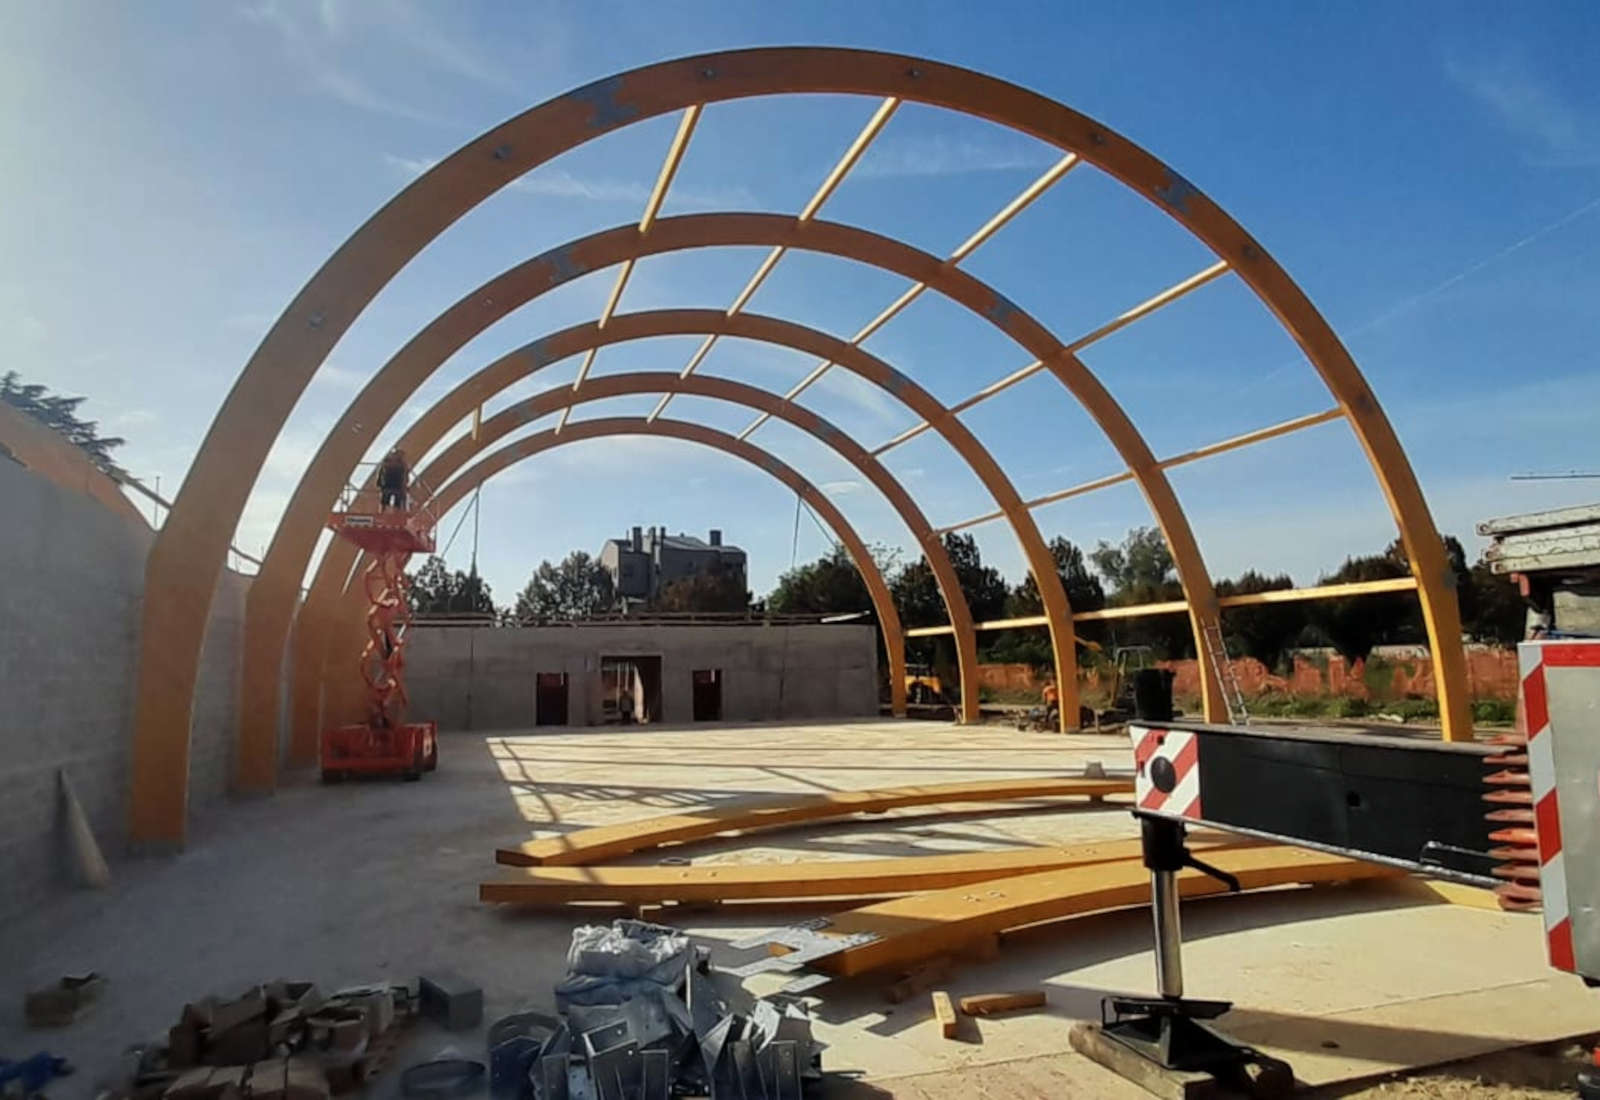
[(991, 1004), (945, 1013)]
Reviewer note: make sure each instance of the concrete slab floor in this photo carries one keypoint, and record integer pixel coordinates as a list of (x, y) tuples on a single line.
[(365, 880)]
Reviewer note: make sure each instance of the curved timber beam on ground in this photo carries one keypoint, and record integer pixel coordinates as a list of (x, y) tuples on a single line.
[(549, 886), (589, 846), (912, 929), (563, 397), (459, 403), (190, 551)]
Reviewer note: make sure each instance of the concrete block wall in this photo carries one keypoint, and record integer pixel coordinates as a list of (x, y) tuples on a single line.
[(69, 622), (482, 678)]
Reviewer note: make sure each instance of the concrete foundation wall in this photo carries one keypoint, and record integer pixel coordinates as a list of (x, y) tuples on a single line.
[(69, 625), (483, 678)]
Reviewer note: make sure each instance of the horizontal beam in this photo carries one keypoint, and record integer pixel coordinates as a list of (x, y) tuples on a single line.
[(876, 123), (910, 930), (1173, 607), (1210, 449), (836, 878), (588, 846), (1121, 321), (988, 229)]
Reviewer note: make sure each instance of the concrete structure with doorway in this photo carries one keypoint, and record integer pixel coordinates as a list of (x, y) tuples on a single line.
[(487, 678), (646, 561)]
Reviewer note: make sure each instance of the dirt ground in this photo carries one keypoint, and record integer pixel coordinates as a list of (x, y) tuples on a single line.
[(1535, 1073)]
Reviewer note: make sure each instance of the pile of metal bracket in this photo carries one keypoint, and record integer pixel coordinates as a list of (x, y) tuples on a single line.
[(641, 1018)]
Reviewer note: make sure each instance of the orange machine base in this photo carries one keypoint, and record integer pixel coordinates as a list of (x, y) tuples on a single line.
[(405, 750)]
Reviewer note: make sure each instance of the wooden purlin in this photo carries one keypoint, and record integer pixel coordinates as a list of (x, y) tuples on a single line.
[(554, 886), (609, 841), (922, 926)]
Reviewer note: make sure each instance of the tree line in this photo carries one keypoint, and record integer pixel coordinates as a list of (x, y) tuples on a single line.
[(1138, 570)]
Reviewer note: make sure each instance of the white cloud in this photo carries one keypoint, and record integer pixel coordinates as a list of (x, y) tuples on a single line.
[(558, 183), (339, 378), (1530, 108), (316, 44), (841, 488), (895, 158)]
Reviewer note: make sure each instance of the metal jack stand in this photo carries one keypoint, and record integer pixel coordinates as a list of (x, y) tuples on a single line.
[(1159, 1042)]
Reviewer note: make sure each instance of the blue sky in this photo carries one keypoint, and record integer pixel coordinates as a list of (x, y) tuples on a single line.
[(1430, 173)]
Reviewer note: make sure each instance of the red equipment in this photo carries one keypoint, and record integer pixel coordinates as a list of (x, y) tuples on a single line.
[(385, 744)]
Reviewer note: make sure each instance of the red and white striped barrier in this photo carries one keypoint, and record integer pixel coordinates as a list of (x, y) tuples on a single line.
[(1167, 772)]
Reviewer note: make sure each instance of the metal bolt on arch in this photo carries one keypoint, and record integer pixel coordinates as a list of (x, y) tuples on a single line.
[(189, 553)]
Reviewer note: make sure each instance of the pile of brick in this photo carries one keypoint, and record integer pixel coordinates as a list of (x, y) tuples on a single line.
[(279, 1041)]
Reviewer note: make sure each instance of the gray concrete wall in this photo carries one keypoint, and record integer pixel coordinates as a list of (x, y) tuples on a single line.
[(70, 591), (482, 678)]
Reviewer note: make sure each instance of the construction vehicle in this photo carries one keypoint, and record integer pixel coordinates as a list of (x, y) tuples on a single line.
[(386, 743), (923, 685), (1519, 815)]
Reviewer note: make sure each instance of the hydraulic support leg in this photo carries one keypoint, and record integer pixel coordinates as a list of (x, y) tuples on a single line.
[(1166, 1032)]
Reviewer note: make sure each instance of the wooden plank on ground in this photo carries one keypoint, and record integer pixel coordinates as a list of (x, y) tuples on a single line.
[(945, 1013), (993, 1004), (1169, 1084), (610, 841), (550, 886), (912, 928)]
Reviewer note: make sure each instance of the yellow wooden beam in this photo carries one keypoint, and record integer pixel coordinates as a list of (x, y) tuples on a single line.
[(588, 846), (1174, 607), (554, 885), (1210, 449), (922, 926), (1121, 321)]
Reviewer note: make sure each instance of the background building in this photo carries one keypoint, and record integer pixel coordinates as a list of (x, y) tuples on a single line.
[(646, 561)]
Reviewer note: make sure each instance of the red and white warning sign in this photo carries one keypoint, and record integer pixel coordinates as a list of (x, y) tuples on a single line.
[(1167, 771)]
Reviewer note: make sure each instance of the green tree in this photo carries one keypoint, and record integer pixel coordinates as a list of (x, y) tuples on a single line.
[(578, 588), (1499, 613), (829, 585), (1084, 593), (435, 590), (1263, 631), (983, 586), (60, 415), (1140, 570), (713, 589), (1354, 624)]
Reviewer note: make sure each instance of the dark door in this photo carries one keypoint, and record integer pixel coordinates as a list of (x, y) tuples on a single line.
[(550, 699), (708, 695)]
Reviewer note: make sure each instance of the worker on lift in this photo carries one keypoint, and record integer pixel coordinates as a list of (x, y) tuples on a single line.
[(392, 480)]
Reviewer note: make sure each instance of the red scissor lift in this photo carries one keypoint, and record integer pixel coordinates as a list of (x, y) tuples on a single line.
[(385, 744)]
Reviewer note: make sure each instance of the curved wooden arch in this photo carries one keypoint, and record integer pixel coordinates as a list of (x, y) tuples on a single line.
[(258, 724), (527, 447), (496, 427), (269, 607), (189, 553)]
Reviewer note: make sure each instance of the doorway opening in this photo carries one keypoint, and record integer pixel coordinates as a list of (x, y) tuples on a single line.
[(550, 699), (631, 688), (708, 695)]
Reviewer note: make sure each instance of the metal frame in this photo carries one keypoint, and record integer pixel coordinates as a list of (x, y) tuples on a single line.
[(189, 553)]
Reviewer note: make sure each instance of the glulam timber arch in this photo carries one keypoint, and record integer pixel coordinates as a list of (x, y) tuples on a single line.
[(498, 461), (258, 725), (271, 601), (188, 556), (562, 398)]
